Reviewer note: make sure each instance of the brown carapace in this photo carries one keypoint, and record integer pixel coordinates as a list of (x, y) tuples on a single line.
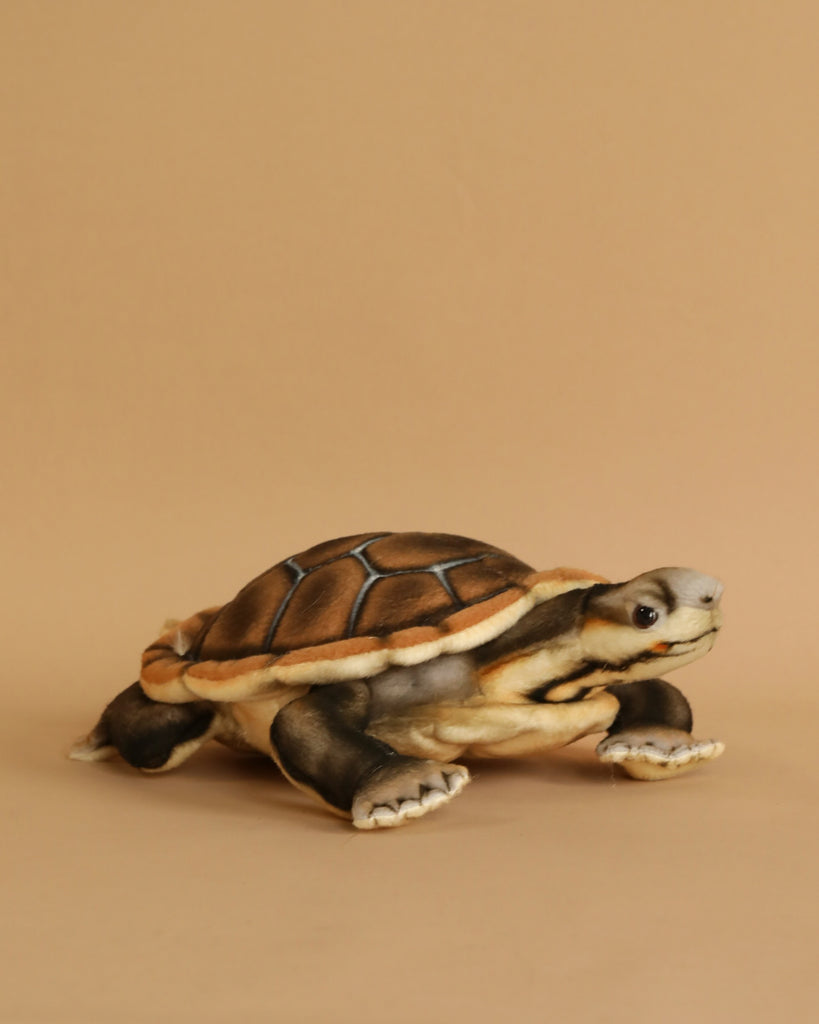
[(349, 607)]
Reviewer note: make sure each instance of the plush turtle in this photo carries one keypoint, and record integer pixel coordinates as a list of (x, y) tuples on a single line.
[(368, 664)]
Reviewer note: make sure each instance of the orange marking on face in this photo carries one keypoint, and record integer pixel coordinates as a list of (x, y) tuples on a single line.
[(660, 648)]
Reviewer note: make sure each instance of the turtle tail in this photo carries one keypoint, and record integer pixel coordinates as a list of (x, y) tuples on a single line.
[(96, 746)]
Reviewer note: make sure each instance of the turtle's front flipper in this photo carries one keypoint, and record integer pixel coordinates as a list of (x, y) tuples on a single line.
[(321, 745), (651, 736)]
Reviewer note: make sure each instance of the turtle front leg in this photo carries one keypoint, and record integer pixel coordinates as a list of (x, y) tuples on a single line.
[(651, 736), (320, 743)]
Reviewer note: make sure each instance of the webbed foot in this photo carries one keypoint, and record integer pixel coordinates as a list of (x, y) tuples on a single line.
[(406, 788), (653, 752)]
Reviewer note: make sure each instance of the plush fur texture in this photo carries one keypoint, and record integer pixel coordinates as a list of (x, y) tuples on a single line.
[(366, 665)]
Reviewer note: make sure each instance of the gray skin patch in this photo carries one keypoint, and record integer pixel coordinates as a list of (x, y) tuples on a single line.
[(447, 678)]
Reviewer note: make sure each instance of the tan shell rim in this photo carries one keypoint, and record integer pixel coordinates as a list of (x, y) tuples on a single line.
[(167, 675)]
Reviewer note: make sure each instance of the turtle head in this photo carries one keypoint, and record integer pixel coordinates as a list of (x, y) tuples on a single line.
[(653, 623)]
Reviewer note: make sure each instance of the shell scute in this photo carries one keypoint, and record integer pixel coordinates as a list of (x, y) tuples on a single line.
[(241, 627), (319, 608), (398, 602), (475, 581)]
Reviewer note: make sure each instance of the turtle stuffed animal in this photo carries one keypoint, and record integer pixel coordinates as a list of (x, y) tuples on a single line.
[(367, 665)]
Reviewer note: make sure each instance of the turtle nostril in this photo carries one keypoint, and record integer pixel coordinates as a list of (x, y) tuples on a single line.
[(712, 599)]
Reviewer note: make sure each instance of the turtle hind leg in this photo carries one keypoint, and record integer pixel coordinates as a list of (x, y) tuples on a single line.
[(320, 743), (96, 746), (149, 734), (651, 736)]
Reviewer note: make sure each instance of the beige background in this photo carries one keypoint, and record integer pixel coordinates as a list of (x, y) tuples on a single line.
[(539, 272)]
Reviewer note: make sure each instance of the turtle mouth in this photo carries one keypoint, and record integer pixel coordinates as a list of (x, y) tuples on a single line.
[(673, 648), (591, 666)]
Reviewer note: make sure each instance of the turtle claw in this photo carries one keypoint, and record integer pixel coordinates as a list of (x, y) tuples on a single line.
[(397, 793), (655, 752)]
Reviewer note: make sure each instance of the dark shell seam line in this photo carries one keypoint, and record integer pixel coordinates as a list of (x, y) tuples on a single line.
[(357, 604), (443, 579), (291, 563)]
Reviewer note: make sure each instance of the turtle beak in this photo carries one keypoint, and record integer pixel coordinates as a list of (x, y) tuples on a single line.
[(694, 603)]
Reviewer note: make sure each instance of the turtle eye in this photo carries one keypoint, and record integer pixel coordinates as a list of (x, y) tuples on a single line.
[(643, 616)]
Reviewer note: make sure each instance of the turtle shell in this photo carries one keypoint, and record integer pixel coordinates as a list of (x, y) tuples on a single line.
[(346, 609)]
